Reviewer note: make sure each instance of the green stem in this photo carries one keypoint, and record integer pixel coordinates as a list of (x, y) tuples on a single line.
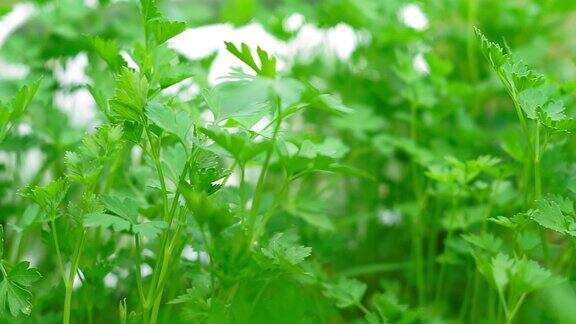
[(260, 184), (4, 273), (538, 187), (157, 288), (137, 252), (442, 273), (155, 154), (242, 192), (262, 226), (59, 260), (162, 253), (417, 241), (363, 308), (467, 294), (537, 158), (417, 234), (71, 277), (512, 314), (474, 297)]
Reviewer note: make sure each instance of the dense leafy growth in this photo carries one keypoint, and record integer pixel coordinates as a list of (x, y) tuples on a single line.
[(408, 163)]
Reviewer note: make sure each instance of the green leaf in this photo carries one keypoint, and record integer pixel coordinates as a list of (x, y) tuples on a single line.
[(32, 213), (104, 220), (239, 144), (492, 51), (149, 10), (9, 115), (151, 229), (282, 250), (333, 103), (521, 275), (23, 98), (173, 163), (207, 210), (529, 276), (313, 211), (554, 213), (501, 268), (49, 197), (551, 113), (125, 207), (174, 122), (109, 51), (100, 100), (485, 241), (288, 90), (130, 96), (163, 30), (346, 292), (533, 99), (15, 295), (170, 75), (267, 62), (242, 98)]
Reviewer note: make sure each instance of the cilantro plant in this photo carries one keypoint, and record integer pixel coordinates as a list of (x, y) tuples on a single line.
[(421, 172)]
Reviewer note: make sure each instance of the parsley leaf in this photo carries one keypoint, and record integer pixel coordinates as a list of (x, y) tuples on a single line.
[(15, 295)]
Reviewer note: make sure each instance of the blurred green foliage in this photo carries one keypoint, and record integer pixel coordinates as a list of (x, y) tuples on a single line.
[(428, 177)]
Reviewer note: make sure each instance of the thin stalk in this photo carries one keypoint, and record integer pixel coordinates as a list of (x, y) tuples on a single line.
[(162, 250), (363, 308), (467, 294), (137, 252), (503, 303), (571, 258), (260, 229), (537, 158), (260, 184), (417, 224), (168, 216), (491, 310), (538, 187), (418, 242), (157, 288), (71, 277), (242, 192), (442, 273), (57, 246), (155, 154), (16, 244), (475, 299), (4, 273), (512, 314)]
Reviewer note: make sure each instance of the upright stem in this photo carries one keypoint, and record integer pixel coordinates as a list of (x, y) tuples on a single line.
[(260, 184), (156, 287), (512, 314), (538, 187), (242, 192), (71, 277), (137, 252), (537, 158), (59, 260), (155, 153), (417, 226), (449, 237)]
